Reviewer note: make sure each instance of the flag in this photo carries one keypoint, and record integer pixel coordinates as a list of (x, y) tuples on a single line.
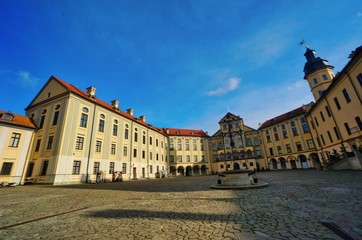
[(302, 42)]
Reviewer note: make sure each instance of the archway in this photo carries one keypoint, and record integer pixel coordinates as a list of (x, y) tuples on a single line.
[(236, 166), (173, 171), (292, 161), (273, 164), (196, 170), (188, 171), (203, 169), (303, 160), (315, 160), (283, 163), (181, 171)]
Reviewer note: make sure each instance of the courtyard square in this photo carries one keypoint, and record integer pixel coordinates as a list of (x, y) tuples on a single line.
[(297, 204)]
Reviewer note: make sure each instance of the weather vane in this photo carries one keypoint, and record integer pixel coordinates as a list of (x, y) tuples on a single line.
[(303, 43)]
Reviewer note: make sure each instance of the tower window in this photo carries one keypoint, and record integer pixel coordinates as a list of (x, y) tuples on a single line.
[(315, 81), (324, 77)]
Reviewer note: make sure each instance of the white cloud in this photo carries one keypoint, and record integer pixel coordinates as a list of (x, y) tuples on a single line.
[(230, 85), (20, 78), (26, 79), (301, 84)]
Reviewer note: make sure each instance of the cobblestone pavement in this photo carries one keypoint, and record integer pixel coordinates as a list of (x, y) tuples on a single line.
[(299, 204)]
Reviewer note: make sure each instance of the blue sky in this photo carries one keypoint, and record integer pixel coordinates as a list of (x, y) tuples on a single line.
[(183, 64)]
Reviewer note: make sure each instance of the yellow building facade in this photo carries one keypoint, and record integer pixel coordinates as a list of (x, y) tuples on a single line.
[(336, 117), (16, 138), (235, 146), (81, 138), (188, 151), (287, 141)]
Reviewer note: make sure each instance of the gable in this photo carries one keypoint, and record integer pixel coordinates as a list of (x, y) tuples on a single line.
[(50, 90)]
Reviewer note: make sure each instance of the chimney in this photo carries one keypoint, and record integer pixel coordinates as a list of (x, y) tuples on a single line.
[(143, 118), (91, 91), (115, 104), (130, 111)]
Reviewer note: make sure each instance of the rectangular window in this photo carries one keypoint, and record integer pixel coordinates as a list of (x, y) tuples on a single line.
[(359, 123), (55, 119), (322, 116), (83, 120), (289, 149), (98, 146), (318, 141), (6, 168), (336, 133), (115, 130), (101, 126), (195, 158), (299, 146), (124, 151), (258, 153), (113, 148), (316, 121), (150, 140), (271, 151), (50, 142), (76, 167), (195, 147), (279, 148), (144, 139), (41, 124), (151, 156), (179, 147), (359, 77), (256, 142), (248, 142), (156, 142), (324, 143), (126, 134), (172, 158), (44, 168), (346, 96), (111, 167), (37, 146), (124, 167), (151, 169), (95, 167), (14, 140), (337, 103), (157, 156), (187, 147), (305, 128), (330, 137), (134, 152), (328, 111), (310, 144), (79, 143), (179, 158), (347, 128), (324, 77)]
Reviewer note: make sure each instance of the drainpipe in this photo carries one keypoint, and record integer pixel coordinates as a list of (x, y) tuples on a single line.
[(90, 143)]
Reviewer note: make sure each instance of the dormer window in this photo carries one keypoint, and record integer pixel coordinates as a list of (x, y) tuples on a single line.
[(7, 117)]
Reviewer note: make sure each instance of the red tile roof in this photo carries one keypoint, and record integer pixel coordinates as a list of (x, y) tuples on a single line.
[(185, 132), (291, 114), (104, 104), (17, 120)]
